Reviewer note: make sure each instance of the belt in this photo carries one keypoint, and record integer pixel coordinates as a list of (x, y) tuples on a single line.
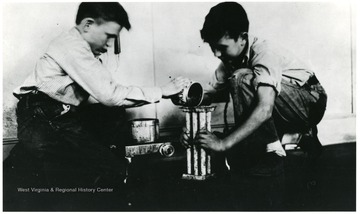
[(35, 97), (38, 98)]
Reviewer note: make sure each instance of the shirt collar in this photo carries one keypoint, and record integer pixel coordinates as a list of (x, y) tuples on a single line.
[(75, 32)]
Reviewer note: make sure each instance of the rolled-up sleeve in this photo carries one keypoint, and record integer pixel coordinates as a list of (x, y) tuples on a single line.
[(88, 72), (266, 65)]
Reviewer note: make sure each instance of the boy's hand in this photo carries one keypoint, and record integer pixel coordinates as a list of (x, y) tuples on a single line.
[(185, 137), (209, 141), (175, 86)]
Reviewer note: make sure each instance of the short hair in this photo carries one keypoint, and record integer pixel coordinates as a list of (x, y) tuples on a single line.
[(108, 11), (226, 17)]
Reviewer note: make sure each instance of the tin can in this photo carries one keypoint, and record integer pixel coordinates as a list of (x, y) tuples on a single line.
[(145, 130), (190, 96)]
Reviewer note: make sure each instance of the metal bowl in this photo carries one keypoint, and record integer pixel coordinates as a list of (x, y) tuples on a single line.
[(145, 130), (190, 96)]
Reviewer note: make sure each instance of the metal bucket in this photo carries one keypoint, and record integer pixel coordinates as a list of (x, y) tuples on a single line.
[(145, 130), (191, 96)]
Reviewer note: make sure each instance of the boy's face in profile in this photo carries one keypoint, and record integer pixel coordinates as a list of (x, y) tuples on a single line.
[(228, 49), (100, 35)]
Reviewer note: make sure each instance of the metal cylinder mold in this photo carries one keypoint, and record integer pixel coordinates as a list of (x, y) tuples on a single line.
[(198, 161)]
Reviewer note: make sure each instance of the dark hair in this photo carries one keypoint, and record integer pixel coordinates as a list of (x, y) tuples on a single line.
[(108, 11), (226, 17)]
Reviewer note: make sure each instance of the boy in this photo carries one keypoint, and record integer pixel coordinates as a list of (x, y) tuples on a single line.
[(63, 140), (273, 93)]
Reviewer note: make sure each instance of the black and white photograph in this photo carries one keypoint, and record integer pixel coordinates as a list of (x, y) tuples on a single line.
[(154, 106)]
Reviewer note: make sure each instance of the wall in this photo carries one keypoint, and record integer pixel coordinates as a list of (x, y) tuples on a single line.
[(165, 41)]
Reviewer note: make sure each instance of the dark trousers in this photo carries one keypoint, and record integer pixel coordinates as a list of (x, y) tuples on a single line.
[(68, 150), (297, 109), (256, 173)]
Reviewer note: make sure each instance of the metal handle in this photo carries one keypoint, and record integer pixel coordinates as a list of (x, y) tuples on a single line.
[(167, 150)]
